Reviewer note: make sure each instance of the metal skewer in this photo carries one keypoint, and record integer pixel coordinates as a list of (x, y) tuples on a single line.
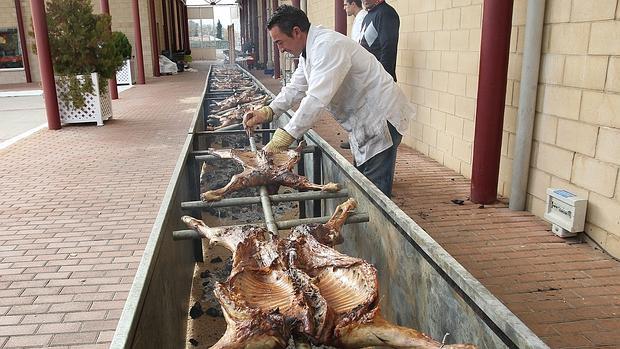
[(264, 198)]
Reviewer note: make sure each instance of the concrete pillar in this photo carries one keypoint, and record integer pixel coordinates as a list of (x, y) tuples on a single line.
[(135, 9), (39, 22), (494, 49)]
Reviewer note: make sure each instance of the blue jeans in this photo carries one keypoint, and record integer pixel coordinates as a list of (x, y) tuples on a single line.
[(379, 169)]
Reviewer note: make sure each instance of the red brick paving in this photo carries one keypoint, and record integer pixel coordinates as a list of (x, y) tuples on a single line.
[(76, 208), (567, 292)]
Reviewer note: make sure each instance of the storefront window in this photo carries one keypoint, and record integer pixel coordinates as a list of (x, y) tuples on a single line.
[(10, 49)]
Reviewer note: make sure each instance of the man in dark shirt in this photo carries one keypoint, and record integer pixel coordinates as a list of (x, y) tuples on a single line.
[(380, 33)]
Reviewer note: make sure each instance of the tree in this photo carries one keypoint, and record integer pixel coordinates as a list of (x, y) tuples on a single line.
[(218, 34), (80, 43)]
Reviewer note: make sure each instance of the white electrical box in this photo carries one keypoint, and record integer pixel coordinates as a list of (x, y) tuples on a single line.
[(565, 211)]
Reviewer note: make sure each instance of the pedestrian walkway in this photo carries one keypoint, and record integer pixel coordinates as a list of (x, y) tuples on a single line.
[(76, 208), (566, 291)]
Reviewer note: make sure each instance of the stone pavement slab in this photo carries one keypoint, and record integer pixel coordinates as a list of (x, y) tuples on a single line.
[(566, 291), (76, 208)]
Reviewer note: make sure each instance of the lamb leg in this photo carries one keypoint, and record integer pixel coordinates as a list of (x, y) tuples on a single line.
[(380, 332), (245, 179), (298, 182)]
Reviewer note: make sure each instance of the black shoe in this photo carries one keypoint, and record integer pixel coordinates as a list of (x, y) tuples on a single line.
[(345, 145)]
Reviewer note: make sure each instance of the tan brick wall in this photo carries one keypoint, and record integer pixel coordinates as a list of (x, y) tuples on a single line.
[(577, 135), (321, 12)]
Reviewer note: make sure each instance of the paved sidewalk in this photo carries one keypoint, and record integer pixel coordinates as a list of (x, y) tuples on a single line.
[(567, 292), (76, 208)]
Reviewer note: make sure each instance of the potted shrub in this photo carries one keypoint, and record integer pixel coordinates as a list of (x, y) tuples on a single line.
[(126, 75), (84, 56)]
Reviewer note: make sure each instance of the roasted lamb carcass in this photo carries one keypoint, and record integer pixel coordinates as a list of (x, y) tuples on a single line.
[(233, 116), (300, 287), (271, 169), (247, 96)]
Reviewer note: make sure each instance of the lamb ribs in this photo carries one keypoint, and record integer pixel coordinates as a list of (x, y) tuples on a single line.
[(301, 288)]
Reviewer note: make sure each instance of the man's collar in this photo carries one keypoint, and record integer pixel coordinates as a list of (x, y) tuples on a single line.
[(377, 5)]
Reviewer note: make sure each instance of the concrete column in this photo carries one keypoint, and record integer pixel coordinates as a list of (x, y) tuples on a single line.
[(276, 52), (22, 40), (341, 17), (105, 8), (135, 9), (495, 45), (154, 43), (39, 22)]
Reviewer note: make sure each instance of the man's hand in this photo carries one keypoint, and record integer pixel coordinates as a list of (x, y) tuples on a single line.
[(280, 141), (257, 117)]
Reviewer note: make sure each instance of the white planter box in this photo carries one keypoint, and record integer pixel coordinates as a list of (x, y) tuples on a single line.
[(127, 74), (98, 108)]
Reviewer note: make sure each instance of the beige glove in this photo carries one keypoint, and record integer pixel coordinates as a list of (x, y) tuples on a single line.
[(280, 141), (257, 117)]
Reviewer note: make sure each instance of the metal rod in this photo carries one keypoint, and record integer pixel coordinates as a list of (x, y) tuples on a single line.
[(354, 218), (250, 200), (264, 198), (205, 133), (204, 155)]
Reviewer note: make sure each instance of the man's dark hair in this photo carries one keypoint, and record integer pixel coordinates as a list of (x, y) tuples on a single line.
[(357, 2), (286, 17)]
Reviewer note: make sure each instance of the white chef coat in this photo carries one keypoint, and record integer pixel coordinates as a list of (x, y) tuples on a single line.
[(340, 75), (356, 30)]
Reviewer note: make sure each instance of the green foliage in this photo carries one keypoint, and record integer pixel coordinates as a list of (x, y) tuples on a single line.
[(218, 33), (81, 43), (122, 44)]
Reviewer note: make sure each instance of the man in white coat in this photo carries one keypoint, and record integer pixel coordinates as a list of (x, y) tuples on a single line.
[(338, 74), (354, 8)]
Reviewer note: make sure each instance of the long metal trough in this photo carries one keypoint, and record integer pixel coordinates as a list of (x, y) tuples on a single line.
[(421, 285)]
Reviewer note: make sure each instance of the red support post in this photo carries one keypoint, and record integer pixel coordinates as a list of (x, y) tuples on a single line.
[(341, 17), (164, 9), (154, 43), (186, 25), (276, 52), (22, 40), (39, 22), (296, 3), (135, 9), (105, 8), (263, 27), (495, 45)]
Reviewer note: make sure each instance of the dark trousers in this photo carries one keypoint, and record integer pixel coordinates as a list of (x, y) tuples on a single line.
[(380, 168)]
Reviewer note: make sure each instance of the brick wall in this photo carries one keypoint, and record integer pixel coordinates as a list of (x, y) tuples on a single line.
[(577, 130)]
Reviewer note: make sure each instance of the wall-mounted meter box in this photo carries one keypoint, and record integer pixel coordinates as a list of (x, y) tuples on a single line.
[(565, 211)]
